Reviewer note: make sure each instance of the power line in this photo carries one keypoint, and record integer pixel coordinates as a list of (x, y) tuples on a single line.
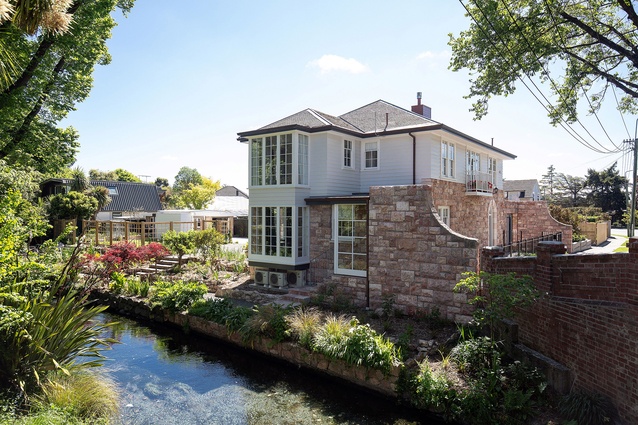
[(563, 123)]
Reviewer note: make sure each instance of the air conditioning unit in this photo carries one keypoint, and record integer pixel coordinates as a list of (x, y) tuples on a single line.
[(296, 278), (261, 277), (277, 279)]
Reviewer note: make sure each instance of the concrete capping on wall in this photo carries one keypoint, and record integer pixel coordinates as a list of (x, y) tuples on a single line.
[(371, 379)]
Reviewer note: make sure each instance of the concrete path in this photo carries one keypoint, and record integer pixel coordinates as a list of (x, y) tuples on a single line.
[(616, 240)]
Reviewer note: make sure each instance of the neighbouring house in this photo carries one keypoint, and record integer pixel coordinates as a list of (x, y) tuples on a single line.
[(522, 190), (379, 202), (129, 201), (231, 202)]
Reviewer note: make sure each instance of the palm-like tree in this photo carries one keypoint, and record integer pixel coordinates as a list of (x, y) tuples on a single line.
[(79, 181), (101, 194)]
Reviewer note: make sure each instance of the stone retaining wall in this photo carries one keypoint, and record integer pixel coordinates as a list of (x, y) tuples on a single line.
[(371, 379)]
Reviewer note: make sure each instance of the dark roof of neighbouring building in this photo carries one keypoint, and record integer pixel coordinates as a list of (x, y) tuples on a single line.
[(130, 196), (378, 118)]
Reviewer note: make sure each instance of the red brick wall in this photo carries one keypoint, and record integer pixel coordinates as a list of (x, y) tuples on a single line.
[(587, 318)]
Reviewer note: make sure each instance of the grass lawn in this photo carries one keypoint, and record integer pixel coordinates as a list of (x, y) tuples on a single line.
[(623, 247)]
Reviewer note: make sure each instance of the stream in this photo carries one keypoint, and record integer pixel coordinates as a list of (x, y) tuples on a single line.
[(167, 377)]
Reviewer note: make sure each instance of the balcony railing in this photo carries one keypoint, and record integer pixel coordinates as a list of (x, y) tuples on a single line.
[(477, 182)]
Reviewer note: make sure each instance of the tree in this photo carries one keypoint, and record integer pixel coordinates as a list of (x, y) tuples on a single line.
[(578, 47), (185, 177), (161, 182), (119, 175), (606, 191), (52, 73), (72, 205), (197, 197), (547, 183), (570, 190)]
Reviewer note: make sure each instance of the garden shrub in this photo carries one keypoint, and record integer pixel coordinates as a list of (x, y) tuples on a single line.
[(215, 309), (586, 409), (434, 391), (177, 296), (303, 324), (268, 321), (179, 243)]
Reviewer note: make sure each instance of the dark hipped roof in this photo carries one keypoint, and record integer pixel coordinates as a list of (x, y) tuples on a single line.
[(131, 196), (376, 118)]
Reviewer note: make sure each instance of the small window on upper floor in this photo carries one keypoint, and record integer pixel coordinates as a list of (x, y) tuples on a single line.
[(372, 155), (112, 190), (347, 153)]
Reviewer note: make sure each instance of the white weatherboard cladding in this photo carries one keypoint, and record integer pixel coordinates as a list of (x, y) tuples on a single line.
[(278, 196), (318, 163), (395, 163), (339, 180)]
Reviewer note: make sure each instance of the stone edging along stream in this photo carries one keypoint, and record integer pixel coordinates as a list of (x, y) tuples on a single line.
[(371, 379)]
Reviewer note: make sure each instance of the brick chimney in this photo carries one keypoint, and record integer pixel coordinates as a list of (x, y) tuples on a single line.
[(423, 110)]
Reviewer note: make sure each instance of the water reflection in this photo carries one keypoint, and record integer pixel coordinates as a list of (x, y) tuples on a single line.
[(167, 378)]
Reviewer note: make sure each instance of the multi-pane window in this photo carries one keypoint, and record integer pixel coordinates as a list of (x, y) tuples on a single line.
[(447, 159), (256, 161), (444, 213), (256, 230), (301, 231), (347, 153), (270, 230), (270, 156), (272, 160), (302, 159), (473, 163), (491, 168), (285, 159), (285, 231), (351, 239), (372, 155)]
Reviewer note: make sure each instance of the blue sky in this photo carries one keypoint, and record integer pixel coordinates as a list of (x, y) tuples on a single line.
[(186, 77)]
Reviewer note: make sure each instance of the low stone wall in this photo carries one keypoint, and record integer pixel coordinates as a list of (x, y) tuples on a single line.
[(371, 379)]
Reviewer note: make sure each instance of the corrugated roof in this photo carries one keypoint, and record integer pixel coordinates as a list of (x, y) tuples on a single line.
[(131, 196)]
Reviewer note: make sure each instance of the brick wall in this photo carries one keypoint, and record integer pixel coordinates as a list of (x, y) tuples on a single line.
[(469, 214), (587, 318)]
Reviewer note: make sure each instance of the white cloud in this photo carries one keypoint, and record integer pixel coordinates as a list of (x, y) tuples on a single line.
[(330, 63)]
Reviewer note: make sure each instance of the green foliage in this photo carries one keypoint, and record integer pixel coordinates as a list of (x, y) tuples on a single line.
[(268, 321), (496, 296), (40, 336), (586, 408), (87, 396), (118, 283), (303, 324), (72, 205), (403, 343), (215, 309), (208, 243), (177, 296), (185, 178), (355, 344), (606, 191), (508, 41), (477, 357), (52, 73), (179, 243), (434, 391)]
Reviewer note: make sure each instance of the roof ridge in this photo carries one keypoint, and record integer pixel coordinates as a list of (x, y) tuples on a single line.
[(319, 115)]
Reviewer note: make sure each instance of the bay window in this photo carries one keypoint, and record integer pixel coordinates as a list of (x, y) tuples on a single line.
[(272, 160)]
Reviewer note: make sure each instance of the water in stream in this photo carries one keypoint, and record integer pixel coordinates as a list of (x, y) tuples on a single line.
[(168, 378)]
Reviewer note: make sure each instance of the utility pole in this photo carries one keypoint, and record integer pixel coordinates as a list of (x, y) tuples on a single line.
[(632, 218)]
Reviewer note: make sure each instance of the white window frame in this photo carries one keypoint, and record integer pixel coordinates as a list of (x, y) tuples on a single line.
[(365, 155), (274, 158), (353, 239), (448, 159), (444, 213), (348, 154)]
